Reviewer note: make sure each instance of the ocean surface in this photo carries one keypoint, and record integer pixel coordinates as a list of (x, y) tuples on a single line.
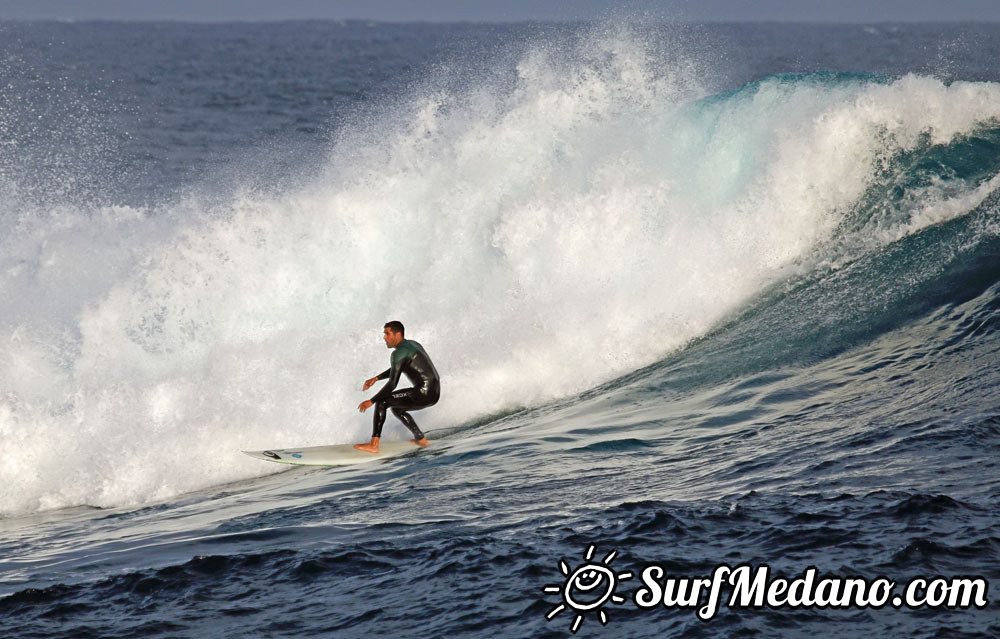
[(700, 295)]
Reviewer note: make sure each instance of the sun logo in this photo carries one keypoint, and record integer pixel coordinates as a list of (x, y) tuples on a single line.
[(588, 588)]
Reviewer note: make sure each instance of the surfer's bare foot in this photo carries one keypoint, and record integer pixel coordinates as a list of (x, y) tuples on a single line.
[(420, 442), (370, 447)]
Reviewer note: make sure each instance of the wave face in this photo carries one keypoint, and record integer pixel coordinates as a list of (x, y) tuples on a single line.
[(685, 314), (585, 213)]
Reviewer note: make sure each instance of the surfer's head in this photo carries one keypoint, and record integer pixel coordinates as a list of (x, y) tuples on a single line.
[(393, 333)]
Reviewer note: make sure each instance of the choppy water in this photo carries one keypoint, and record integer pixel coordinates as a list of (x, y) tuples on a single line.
[(699, 295)]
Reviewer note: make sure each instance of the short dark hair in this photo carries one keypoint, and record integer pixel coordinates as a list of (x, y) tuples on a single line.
[(395, 327)]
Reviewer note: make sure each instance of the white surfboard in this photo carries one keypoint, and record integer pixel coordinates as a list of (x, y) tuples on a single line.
[(341, 455)]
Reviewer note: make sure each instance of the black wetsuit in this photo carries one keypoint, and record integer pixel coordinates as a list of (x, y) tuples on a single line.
[(410, 359)]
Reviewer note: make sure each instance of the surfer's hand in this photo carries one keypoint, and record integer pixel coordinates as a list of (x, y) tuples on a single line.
[(365, 405), (368, 383)]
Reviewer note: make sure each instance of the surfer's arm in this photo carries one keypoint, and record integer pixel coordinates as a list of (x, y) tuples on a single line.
[(370, 382), (393, 374)]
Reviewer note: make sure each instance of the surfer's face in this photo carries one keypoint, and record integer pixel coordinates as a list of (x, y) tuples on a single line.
[(392, 339)]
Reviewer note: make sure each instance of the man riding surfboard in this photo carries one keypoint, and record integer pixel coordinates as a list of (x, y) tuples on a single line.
[(409, 358)]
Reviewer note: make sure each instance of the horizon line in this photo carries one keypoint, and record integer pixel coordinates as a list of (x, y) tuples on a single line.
[(904, 21)]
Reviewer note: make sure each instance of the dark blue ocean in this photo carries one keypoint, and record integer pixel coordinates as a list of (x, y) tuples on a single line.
[(700, 295)]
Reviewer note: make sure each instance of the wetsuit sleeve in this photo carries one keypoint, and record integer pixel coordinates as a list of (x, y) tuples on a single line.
[(384, 374), (393, 374)]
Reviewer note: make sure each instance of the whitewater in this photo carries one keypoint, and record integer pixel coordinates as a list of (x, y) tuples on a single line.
[(673, 314)]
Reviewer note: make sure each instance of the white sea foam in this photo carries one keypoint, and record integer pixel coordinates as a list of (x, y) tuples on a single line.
[(538, 238)]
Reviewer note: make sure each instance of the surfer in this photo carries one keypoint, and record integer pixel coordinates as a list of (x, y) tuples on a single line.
[(411, 359)]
